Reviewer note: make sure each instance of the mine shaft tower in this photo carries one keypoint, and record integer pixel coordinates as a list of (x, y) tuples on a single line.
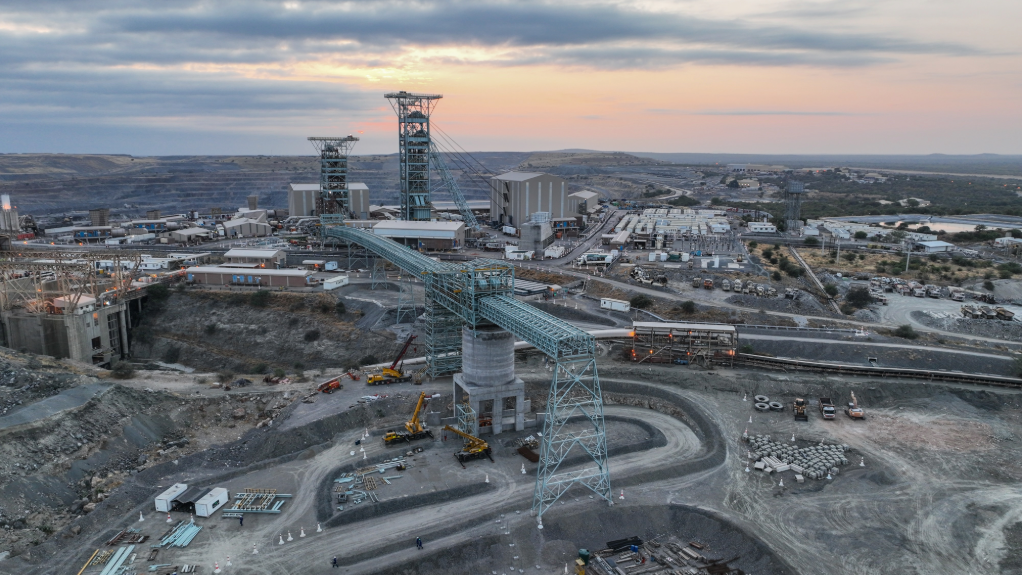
[(333, 174), (470, 308), (413, 111), (793, 194)]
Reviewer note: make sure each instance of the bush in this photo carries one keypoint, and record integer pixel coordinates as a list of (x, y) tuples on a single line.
[(847, 309), (831, 289), (906, 332), (811, 241), (279, 372), (768, 253), (210, 329), (860, 235), (225, 376), (158, 292), (776, 276), (858, 297), (849, 257), (641, 301), (260, 298), (752, 245), (795, 271), (988, 285), (325, 307), (688, 307), (746, 348), (172, 354), (339, 308), (122, 370), (260, 368), (311, 335), (367, 360)]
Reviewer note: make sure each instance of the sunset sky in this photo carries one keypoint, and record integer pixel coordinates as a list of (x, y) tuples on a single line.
[(767, 76)]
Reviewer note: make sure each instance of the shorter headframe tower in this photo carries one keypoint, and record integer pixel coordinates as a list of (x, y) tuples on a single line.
[(333, 174)]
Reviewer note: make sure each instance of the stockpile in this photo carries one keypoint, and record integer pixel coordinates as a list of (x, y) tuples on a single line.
[(814, 462)]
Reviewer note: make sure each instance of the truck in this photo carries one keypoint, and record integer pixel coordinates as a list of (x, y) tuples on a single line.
[(827, 408), (615, 304), (708, 283), (696, 282), (725, 285)]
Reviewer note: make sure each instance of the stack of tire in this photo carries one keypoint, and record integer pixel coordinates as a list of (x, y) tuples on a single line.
[(763, 403)]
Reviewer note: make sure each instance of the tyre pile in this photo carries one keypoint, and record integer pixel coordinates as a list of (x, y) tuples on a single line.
[(814, 462)]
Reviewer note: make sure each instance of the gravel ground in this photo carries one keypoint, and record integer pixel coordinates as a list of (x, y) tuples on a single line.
[(804, 304)]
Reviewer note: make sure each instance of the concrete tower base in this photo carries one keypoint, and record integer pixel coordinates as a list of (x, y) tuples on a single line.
[(488, 380)]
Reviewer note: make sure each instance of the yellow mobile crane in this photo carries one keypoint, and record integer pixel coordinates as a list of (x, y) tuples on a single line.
[(395, 373), (414, 427), (474, 448)]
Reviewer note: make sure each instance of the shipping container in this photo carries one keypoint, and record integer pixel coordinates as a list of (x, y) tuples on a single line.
[(163, 500), (212, 501)]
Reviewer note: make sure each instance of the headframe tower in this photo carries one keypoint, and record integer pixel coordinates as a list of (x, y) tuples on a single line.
[(793, 194), (414, 144), (333, 174)]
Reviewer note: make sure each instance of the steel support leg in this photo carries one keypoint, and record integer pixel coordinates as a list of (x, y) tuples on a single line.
[(574, 429), (443, 339)]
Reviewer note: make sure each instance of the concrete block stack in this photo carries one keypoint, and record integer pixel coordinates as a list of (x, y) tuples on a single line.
[(813, 462)]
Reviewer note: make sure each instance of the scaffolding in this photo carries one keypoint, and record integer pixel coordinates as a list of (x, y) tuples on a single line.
[(406, 312), (481, 291), (333, 174), (467, 420)]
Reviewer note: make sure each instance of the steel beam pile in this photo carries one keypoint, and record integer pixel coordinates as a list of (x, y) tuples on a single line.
[(181, 536)]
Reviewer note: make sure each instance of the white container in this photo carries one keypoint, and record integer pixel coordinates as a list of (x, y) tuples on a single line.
[(163, 500), (615, 304), (663, 256), (330, 266), (335, 282), (212, 501), (652, 256)]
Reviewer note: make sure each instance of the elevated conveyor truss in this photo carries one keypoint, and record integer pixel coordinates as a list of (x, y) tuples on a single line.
[(454, 189), (574, 448)]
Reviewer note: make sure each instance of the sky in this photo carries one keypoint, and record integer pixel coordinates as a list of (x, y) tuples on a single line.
[(178, 77)]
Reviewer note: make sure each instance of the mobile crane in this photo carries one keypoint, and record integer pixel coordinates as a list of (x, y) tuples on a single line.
[(394, 373), (853, 410), (474, 448), (414, 428)]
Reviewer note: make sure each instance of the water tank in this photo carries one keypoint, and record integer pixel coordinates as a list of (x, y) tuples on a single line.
[(488, 356), (118, 232)]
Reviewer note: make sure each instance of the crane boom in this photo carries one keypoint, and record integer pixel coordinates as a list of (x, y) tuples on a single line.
[(404, 350), (473, 443), (414, 425)]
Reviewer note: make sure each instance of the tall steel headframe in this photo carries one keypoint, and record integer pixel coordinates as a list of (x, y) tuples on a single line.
[(333, 174), (413, 111), (793, 194), (480, 292)]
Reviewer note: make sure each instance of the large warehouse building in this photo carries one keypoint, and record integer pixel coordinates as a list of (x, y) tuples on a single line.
[(518, 195), (301, 200), (423, 235), (214, 275)]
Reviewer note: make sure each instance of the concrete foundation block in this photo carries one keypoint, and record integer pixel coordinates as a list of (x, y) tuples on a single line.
[(781, 468), (760, 465), (799, 478)]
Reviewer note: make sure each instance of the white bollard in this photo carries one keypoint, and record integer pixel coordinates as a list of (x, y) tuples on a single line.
[(302, 533), (746, 398), (318, 528), (281, 539), (487, 480), (169, 520), (781, 484), (228, 561), (364, 456), (254, 550), (793, 437), (289, 538), (523, 469), (191, 518), (140, 518), (828, 476), (750, 419)]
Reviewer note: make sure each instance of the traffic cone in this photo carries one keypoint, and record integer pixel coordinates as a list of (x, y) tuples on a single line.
[(255, 551), (289, 538), (302, 534), (228, 561), (216, 567), (191, 518), (622, 496), (318, 528), (862, 462), (793, 437), (140, 518), (281, 535), (487, 478), (747, 468), (746, 398), (828, 475), (781, 484), (364, 456), (523, 469)]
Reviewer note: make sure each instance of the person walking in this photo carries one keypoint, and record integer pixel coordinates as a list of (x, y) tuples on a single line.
[(241, 520), (334, 563), (418, 542)]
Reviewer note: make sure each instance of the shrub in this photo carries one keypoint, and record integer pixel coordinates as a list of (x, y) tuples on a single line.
[(260, 368), (688, 307), (858, 297), (752, 245), (906, 332), (831, 289), (339, 308), (849, 257), (746, 348), (847, 309), (122, 370), (158, 292), (795, 271), (768, 253), (811, 241), (860, 235), (776, 276), (278, 372), (641, 301), (312, 335), (210, 329), (259, 298), (988, 285)]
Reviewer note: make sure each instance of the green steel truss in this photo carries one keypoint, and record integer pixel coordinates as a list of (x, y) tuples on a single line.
[(480, 292), (454, 189), (333, 174)]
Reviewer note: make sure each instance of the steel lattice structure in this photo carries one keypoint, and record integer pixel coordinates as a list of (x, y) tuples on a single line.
[(333, 174), (793, 194), (413, 112), (454, 189), (480, 292)]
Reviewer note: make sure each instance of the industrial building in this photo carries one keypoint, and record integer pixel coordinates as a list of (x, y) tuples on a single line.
[(518, 195), (301, 200), (245, 228), (423, 235), (934, 247), (656, 228), (358, 199), (683, 343), (217, 275), (270, 259)]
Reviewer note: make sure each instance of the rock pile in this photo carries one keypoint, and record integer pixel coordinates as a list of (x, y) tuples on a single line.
[(814, 462)]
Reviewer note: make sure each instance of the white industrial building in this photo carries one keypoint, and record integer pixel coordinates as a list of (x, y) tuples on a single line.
[(423, 235), (517, 195), (654, 228), (936, 247), (301, 200), (263, 258), (762, 228), (245, 228)]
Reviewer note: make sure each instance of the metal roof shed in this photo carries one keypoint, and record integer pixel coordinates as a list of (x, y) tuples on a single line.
[(186, 500)]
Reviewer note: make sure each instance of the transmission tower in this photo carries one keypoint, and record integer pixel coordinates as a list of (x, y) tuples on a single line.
[(333, 174), (413, 138), (793, 194)]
